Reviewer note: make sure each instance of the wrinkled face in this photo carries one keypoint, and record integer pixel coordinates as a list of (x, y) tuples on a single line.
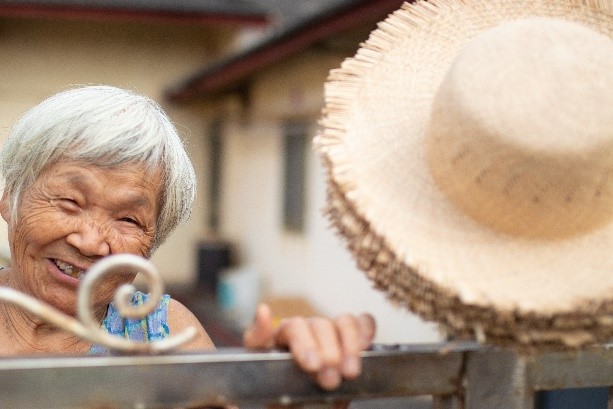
[(73, 215)]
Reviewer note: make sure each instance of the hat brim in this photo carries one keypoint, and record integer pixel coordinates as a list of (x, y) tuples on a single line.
[(403, 231)]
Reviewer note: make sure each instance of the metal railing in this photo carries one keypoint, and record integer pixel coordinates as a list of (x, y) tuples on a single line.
[(456, 375)]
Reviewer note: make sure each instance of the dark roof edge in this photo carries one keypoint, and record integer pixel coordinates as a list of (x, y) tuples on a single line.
[(89, 13), (224, 74)]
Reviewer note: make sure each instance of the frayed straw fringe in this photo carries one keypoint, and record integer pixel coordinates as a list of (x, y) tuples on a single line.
[(405, 287), (434, 303)]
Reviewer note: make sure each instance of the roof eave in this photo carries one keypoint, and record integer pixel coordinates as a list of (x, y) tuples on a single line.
[(88, 13), (226, 74)]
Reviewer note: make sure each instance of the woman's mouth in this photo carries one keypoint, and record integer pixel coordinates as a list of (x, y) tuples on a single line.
[(69, 269)]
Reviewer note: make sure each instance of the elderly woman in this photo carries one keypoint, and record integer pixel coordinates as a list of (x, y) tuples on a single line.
[(96, 171)]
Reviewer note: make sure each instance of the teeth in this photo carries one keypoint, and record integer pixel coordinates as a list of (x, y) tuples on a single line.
[(68, 269)]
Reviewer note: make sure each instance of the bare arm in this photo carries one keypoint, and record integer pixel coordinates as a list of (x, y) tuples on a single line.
[(179, 318)]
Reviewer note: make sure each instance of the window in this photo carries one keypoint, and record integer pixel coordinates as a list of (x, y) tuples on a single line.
[(215, 163), (296, 143)]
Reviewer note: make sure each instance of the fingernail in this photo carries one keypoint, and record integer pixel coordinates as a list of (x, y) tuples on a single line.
[(351, 366), (329, 378)]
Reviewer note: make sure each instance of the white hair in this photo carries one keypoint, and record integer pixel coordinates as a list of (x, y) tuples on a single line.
[(102, 126)]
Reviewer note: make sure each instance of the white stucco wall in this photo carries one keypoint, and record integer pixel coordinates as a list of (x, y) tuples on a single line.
[(315, 263), (345, 288)]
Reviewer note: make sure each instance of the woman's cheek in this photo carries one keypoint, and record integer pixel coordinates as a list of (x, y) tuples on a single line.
[(138, 243)]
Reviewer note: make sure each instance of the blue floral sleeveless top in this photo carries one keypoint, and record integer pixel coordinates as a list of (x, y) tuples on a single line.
[(150, 328)]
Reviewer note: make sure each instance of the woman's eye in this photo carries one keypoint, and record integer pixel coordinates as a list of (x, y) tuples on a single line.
[(69, 203), (130, 220)]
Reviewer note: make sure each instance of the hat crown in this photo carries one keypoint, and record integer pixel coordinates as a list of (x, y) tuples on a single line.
[(521, 131)]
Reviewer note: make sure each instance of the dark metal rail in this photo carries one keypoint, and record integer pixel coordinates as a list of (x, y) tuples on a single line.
[(479, 378)]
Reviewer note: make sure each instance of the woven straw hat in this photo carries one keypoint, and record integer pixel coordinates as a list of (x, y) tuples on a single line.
[(469, 150)]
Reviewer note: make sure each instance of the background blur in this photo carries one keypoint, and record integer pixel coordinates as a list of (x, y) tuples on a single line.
[(243, 82)]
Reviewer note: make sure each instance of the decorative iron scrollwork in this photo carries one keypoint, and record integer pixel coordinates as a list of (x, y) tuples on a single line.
[(87, 326)]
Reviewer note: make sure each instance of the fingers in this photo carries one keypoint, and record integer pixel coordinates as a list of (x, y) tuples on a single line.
[(328, 349), (296, 334), (355, 334), (261, 333), (368, 328), (315, 346)]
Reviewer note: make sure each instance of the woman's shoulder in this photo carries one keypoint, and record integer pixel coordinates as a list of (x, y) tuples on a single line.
[(181, 318), (172, 313)]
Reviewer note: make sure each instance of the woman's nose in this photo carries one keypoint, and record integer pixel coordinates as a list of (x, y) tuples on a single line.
[(90, 240)]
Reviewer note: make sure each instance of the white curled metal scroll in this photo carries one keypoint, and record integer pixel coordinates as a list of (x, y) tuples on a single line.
[(88, 327)]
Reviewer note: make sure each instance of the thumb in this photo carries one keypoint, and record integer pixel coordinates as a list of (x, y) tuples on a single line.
[(261, 333)]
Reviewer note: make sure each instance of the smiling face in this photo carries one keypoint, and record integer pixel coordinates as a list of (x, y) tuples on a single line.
[(73, 215)]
